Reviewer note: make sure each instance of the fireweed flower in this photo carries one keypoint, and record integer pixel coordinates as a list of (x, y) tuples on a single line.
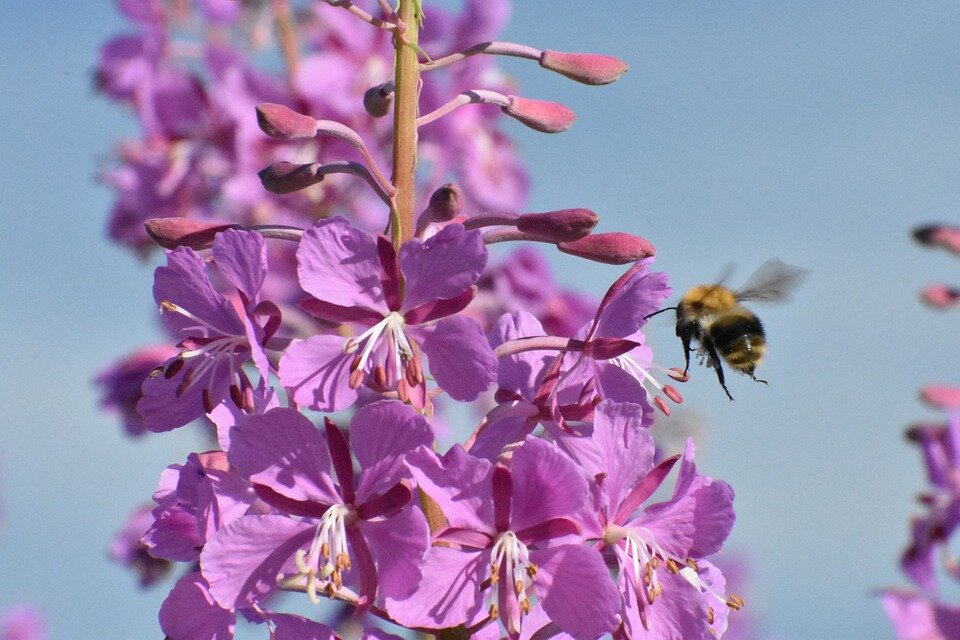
[(667, 589), (218, 336), (22, 623), (362, 530), (122, 384), (916, 617), (190, 612), (514, 539), (193, 501), (128, 549), (404, 303)]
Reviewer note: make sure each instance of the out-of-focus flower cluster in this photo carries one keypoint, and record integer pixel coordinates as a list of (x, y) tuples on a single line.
[(321, 351), (928, 561)]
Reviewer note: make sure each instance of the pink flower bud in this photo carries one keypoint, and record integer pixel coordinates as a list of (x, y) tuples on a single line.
[(941, 396), (615, 247), (606, 348), (445, 203), (564, 225), (588, 68), (171, 233), (378, 100), (940, 296), (541, 115), (278, 121), (286, 177), (940, 235)]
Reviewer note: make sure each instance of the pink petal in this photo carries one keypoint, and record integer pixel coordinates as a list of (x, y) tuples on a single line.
[(565, 574), (547, 484), (339, 263), (317, 371), (241, 256), (242, 561), (460, 357), (283, 451), (441, 267), (387, 429), (459, 483), (190, 613), (291, 627)]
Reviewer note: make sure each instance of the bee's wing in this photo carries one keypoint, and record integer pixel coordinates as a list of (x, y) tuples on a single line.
[(773, 281)]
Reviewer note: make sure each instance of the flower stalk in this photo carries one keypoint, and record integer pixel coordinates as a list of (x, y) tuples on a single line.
[(407, 79)]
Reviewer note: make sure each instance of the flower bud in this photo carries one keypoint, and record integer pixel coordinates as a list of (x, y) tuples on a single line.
[(540, 115), (939, 235), (605, 348), (941, 396), (940, 296), (278, 121), (615, 247), (286, 177), (378, 100), (564, 225), (445, 203), (171, 233), (588, 68)]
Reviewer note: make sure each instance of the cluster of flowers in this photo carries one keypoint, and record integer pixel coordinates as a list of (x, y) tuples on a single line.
[(287, 314), (922, 613)]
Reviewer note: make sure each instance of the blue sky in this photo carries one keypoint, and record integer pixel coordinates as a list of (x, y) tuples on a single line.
[(817, 132)]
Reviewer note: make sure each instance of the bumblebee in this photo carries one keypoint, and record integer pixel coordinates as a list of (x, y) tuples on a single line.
[(724, 329)]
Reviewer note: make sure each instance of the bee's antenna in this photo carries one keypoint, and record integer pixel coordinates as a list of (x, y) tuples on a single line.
[(659, 312)]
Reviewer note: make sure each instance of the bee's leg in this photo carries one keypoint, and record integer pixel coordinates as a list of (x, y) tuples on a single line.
[(758, 379), (708, 345), (686, 335)]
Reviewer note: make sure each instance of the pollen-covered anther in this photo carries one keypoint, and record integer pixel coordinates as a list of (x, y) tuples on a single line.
[(710, 615), (693, 564), (658, 401), (678, 374), (493, 611), (672, 566), (735, 602)]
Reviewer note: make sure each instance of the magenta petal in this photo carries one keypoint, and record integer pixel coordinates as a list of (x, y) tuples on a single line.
[(565, 574), (337, 314), (626, 449), (190, 613), (173, 535), (519, 372), (547, 484), (437, 309), (441, 267), (642, 490), (317, 371), (241, 256), (291, 627), (460, 357), (165, 405), (387, 429), (497, 435), (282, 450), (339, 263), (613, 383), (679, 612), (449, 594), (397, 545), (184, 282), (458, 482), (627, 309), (242, 561)]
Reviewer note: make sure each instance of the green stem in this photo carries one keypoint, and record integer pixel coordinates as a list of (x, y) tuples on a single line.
[(407, 81)]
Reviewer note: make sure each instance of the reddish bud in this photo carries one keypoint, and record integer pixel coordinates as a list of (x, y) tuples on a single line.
[(171, 233), (588, 68), (541, 115), (278, 121), (564, 225), (286, 177), (445, 203), (941, 396), (940, 296), (606, 348), (378, 100), (615, 247)]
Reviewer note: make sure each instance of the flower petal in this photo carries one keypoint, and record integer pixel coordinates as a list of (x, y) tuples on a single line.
[(283, 451), (190, 613), (566, 573), (291, 627), (339, 263), (443, 266), (519, 372), (398, 544), (387, 429), (449, 594), (547, 484), (459, 483), (317, 371), (460, 357), (184, 282), (241, 256), (242, 561)]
